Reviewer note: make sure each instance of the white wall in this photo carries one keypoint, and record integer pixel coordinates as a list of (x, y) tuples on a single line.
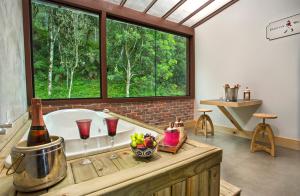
[(12, 63), (232, 48)]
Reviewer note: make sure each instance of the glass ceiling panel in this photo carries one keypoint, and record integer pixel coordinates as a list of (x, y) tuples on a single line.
[(118, 2), (161, 7), (185, 9), (205, 12), (138, 5)]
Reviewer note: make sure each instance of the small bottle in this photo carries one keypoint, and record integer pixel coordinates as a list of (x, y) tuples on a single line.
[(247, 95), (38, 133)]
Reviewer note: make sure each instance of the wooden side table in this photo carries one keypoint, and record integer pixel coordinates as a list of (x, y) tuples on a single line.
[(221, 104), (263, 128), (205, 123)]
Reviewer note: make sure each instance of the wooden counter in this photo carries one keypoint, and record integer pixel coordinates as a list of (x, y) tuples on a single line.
[(194, 170)]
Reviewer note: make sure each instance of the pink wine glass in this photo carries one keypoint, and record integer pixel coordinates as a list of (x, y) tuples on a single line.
[(84, 126), (111, 124)]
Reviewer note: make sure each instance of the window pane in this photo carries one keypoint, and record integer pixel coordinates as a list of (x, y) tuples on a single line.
[(65, 47), (143, 62), (171, 65), (130, 60)]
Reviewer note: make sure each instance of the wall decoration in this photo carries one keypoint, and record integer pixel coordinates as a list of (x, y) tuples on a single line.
[(283, 27)]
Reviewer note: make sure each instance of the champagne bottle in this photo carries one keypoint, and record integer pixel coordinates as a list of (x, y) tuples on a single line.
[(38, 133)]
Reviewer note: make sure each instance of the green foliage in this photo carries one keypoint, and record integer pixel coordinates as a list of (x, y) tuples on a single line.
[(156, 61), (66, 56)]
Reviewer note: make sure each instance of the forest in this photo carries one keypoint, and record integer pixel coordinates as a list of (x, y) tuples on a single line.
[(66, 56)]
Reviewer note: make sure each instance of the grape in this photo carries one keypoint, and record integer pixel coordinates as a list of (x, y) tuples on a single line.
[(133, 144)]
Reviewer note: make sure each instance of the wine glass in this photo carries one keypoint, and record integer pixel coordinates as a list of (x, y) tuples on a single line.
[(84, 126), (111, 123)]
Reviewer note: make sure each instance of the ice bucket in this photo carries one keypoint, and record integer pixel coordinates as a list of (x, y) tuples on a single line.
[(38, 167), (231, 94)]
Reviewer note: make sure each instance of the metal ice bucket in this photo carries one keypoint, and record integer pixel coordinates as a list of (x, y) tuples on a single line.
[(231, 94), (38, 167)]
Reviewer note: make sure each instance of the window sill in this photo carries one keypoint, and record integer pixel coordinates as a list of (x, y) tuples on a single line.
[(110, 100)]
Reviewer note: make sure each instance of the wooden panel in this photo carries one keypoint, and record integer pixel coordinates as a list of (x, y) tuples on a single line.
[(239, 103), (179, 189), (203, 183), (107, 166), (227, 189), (164, 192), (192, 186), (69, 179), (214, 181), (144, 179), (83, 172), (6, 186)]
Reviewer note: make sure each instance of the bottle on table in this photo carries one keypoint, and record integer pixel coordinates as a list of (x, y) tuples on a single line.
[(38, 133)]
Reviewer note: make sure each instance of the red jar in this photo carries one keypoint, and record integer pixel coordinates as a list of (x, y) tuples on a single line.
[(171, 137)]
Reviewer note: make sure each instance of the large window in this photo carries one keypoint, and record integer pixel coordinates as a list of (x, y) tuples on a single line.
[(144, 62), (66, 51), (66, 54)]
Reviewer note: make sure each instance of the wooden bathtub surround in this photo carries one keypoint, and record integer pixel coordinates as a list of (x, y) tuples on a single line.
[(265, 129), (194, 170), (223, 104), (205, 124)]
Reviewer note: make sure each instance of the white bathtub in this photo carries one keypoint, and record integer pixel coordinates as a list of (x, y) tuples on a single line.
[(62, 123)]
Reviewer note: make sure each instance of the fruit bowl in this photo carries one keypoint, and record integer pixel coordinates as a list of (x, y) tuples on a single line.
[(143, 152), (143, 146)]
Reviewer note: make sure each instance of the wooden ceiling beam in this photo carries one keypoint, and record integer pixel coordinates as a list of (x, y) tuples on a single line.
[(175, 7), (214, 13), (128, 14), (149, 6), (196, 11), (123, 3)]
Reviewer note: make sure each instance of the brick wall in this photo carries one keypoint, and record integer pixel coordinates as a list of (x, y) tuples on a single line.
[(152, 112)]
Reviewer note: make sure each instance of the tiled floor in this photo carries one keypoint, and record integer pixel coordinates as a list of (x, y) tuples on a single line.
[(257, 174)]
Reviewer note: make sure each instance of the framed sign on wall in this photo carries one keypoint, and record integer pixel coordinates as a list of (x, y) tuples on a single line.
[(283, 27)]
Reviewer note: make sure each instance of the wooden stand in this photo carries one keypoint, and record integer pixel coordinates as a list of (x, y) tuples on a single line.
[(222, 105), (172, 149), (204, 123), (264, 129)]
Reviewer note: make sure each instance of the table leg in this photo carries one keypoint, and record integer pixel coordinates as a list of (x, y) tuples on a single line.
[(230, 117)]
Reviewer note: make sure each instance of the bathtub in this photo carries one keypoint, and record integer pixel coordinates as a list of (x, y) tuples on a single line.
[(62, 123)]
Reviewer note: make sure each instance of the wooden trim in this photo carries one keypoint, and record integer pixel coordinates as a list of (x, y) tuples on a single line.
[(103, 55), (123, 3), (191, 74), (128, 14), (196, 11), (27, 48), (123, 14), (279, 140), (175, 7), (149, 6), (214, 13)]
